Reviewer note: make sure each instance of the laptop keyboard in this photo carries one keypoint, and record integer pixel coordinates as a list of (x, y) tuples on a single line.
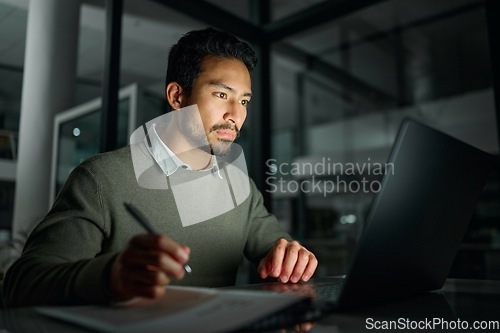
[(322, 296), (330, 291)]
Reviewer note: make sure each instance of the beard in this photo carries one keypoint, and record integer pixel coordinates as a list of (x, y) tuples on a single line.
[(203, 141), (222, 146), (200, 139)]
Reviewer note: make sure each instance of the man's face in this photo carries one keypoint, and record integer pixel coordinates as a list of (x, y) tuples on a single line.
[(222, 92)]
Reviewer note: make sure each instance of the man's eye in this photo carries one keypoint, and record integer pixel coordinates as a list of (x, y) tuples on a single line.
[(221, 95), (244, 102)]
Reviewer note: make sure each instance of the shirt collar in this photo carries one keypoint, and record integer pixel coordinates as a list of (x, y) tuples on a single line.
[(166, 158)]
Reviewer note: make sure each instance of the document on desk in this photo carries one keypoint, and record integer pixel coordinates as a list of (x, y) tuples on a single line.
[(182, 309)]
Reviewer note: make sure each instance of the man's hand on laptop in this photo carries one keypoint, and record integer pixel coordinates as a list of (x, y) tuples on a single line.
[(288, 261)]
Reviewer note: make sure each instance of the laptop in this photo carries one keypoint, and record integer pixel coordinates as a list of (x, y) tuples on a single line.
[(415, 224)]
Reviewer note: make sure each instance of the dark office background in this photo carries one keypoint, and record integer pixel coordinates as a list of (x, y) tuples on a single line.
[(334, 81)]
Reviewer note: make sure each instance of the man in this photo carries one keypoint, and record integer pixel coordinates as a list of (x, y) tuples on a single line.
[(88, 249)]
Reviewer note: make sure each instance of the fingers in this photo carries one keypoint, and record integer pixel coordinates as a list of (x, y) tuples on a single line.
[(299, 265), (132, 289), (289, 261), (161, 261), (304, 327), (141, 281), (139, 262), (163, 244), (277, 257), (271, 264), (145, 275), (310, 268), (146, 266), (264, 268)]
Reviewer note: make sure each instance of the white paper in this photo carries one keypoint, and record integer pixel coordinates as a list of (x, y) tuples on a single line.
[(183, 309)]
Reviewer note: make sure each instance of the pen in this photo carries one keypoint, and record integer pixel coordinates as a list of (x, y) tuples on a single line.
[(149, 228)]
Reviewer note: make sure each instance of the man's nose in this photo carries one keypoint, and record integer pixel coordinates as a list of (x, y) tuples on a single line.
[(235, 113)]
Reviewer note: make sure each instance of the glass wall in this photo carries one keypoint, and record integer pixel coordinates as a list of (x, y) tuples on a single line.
[(78, 134), (12, 37), (13, 20), (364, 73)]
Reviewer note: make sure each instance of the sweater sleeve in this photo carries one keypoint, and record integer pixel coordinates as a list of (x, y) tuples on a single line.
[(60, 263), (264, 228)]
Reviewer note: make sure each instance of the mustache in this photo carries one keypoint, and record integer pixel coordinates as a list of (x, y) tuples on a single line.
[(226, 126)]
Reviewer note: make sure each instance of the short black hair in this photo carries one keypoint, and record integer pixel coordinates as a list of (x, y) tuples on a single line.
[(185, 57)]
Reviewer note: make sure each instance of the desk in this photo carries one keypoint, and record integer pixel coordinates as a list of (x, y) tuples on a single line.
[(467, 300)]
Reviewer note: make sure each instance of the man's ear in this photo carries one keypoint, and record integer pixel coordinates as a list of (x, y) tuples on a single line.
[(176, 95)]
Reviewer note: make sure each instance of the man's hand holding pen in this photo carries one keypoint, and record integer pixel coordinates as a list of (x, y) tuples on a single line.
[(147, 263), (145, 267)]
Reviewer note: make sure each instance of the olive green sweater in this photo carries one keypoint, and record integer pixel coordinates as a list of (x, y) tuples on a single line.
[(67, 258)]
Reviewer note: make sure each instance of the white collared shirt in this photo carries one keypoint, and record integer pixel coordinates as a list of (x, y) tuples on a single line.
[(166, 158)]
